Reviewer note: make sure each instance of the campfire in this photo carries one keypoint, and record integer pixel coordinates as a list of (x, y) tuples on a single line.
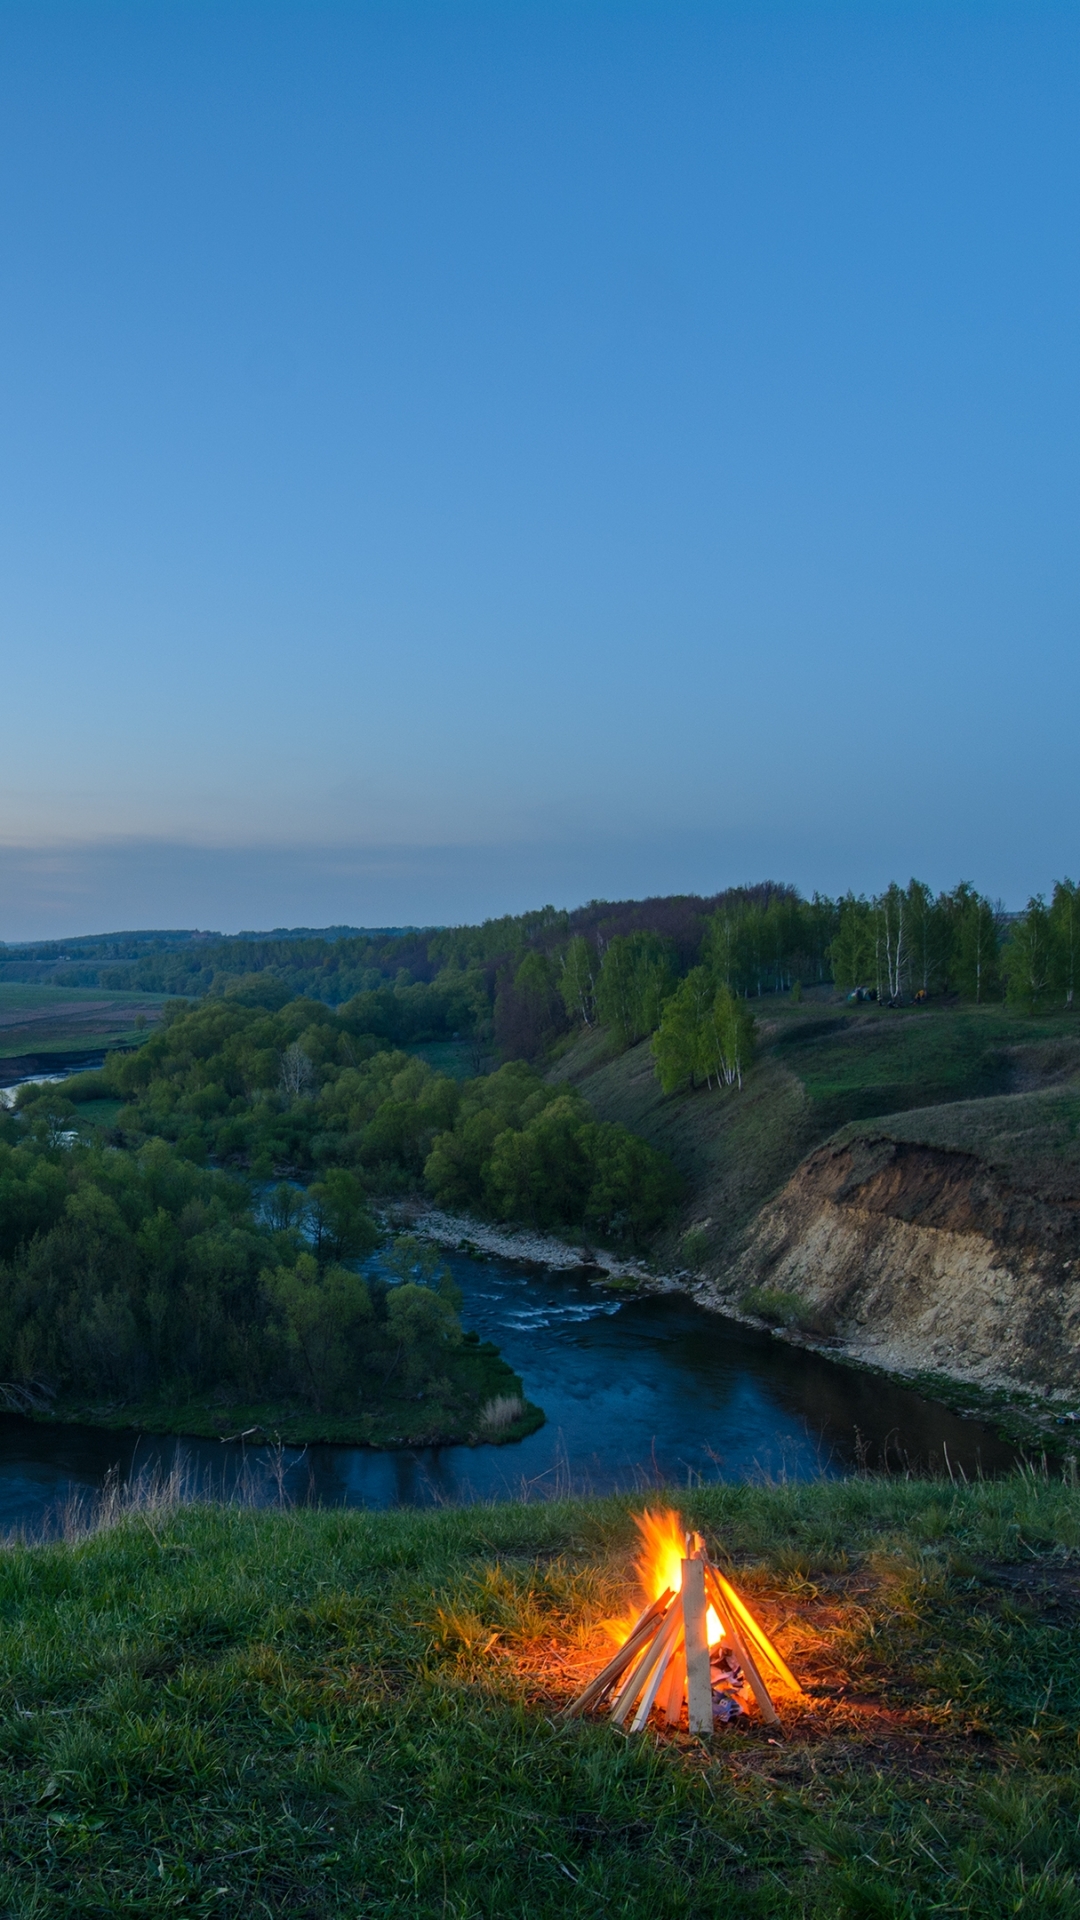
[(695, 1641)]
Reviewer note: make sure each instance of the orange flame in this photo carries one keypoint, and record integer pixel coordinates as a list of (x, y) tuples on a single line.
[(659, 1566)]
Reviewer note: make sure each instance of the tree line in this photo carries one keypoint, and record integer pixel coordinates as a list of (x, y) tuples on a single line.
[(511, 988)]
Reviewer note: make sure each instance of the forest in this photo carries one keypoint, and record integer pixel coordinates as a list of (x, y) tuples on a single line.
[(307, 1092), (139, 1288), (512, 987)]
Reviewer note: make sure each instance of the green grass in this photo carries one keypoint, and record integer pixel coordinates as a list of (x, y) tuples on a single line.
[(963, 1072), (48, 1020), (316, 1714), (16, 995), (882, 1060)]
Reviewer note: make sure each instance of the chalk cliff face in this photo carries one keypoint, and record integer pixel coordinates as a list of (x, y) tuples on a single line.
[(921, 1258)]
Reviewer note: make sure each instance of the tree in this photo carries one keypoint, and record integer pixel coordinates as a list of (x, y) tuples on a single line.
[(680, 1043), (577, 983), (338, 1219), (322, 1314), (1028, 955), (852, 950), (297, 1071), (890, 943), (730, 1039), (928, 937), (636, 977), (528, 1008), (975, 942), (542, 1173), (1065, 940), (421, 1323), (633, 1188)]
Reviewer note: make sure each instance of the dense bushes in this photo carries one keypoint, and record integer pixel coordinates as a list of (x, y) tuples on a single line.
[(301, 1088), (133, 1275), (525, 1151)]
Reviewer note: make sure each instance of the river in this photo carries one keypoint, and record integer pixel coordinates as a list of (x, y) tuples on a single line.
[(637, 1390)]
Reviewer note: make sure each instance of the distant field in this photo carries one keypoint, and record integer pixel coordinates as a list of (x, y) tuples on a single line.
[(48, 1020)]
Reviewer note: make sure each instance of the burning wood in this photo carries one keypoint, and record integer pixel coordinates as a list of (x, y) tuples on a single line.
[(695, 1639)]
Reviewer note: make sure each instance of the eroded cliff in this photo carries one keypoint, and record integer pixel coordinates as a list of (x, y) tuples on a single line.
[(921, 1257)]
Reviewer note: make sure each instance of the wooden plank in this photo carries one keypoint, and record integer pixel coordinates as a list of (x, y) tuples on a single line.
[(639, 1634), (742, 1652), (630, 1688), (698, 1677), (666, 1644), (755, 1635), (676, 1686)]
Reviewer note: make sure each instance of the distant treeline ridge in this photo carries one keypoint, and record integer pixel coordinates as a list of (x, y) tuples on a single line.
[(512, 986)]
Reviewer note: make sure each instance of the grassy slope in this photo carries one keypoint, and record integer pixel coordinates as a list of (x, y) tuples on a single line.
[(821, 1066), (329, 1713)]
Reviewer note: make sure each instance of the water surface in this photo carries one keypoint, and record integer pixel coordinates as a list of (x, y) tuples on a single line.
[(637, 1391)]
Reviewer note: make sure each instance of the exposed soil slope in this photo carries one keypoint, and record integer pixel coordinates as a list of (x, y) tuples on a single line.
[(920, 1257), (938, 1230)]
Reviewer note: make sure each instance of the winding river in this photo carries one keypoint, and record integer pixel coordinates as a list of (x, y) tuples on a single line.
[(637, 1391)]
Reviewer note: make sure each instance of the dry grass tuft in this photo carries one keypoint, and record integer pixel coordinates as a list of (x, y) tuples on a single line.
[(501, 1412)]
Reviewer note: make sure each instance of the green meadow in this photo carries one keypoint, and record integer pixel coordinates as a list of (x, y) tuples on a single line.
[(306, 1713)]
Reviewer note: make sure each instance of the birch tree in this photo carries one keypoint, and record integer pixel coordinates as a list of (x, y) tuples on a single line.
[(852, 949), (577, 982), (680, 1044), (1028, 955), (1065, 939)]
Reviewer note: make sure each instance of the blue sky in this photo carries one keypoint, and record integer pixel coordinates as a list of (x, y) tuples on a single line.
[(458, 457)]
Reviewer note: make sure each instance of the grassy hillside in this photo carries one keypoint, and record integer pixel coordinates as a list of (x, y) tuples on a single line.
[(987, 1071), (342, 1713)]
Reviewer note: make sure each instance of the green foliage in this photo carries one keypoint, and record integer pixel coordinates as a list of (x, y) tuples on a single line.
[(706, 1033), (1029, 959), (337, 1216), (526, 1151), (144, 1279), (211, 1082), (1065, 942), (324, 1315), (679, 1042), (906, 942), (636, 976), (529, 1010), (773, 1305), (852, 951), (976, 944), (577, 981), (754, 946)]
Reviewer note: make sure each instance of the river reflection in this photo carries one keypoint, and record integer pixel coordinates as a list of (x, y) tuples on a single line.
[(637, 1391)]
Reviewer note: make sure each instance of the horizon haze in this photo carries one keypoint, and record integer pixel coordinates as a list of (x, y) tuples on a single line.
[(456, 458)]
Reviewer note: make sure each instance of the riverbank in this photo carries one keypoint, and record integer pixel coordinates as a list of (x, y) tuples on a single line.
[(481, 1402), (525, 1245), (315, 1713), (1026, 1419)]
